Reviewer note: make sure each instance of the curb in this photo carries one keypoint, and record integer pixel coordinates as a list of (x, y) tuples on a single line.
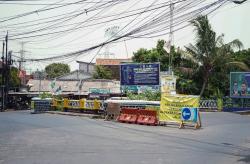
[(92, 116)]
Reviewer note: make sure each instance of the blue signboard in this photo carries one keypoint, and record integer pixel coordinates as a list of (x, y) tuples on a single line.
[(140, 74), (189, 114)]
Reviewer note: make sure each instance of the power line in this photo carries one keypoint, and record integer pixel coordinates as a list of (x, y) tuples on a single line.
[(138, 31), (38, 11)]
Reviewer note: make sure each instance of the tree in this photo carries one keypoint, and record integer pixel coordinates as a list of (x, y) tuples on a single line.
[(102, 72), (243, 56), (57, 69), (158, 54), (210, 52), (14, 79), (142, 55)]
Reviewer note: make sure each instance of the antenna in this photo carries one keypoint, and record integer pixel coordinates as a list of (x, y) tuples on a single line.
[(110, 33)]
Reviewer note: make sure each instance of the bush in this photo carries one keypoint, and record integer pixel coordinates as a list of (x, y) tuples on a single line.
[(147, 95), (45, 95)]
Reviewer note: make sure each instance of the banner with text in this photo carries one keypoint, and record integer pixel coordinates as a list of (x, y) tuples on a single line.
[(140, 74), (168, 84), (171, 106)]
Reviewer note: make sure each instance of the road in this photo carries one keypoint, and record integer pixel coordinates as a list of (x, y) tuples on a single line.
[(55, 139)]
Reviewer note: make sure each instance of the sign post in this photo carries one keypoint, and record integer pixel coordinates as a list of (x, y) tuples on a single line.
[(190, 115)]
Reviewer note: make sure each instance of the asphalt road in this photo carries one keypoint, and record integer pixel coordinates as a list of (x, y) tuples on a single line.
[(55, 139)]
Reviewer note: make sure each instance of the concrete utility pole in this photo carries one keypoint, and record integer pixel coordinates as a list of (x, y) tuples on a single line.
[(6, 62), (3, 79), (21, 61), (22, 53), (6, 70), (126, 48), (171, 36)]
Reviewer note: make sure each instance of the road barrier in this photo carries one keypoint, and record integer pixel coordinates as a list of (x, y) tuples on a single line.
[(181, 110), (128, 115), (39, 105), (77, 105), (57, 104), (147, 117), (112, 111)]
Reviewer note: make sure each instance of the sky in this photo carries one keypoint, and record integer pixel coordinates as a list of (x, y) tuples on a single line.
[(231, 20)]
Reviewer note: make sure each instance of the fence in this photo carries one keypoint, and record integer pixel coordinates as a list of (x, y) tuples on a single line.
[(236, 104), (206, 104)]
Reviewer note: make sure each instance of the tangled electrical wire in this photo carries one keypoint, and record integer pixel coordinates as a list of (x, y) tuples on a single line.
[(148, 21)]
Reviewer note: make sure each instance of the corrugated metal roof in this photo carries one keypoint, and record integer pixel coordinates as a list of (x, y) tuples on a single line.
[(75, 75), (111, 61)]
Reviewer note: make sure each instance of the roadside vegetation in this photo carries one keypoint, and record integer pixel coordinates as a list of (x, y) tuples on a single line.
[(203, 68)]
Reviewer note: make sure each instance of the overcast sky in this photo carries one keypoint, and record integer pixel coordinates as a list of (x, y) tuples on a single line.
[(232, 20)]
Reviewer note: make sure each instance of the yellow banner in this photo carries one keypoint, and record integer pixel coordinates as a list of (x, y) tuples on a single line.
[(171, 105), (168, 84), (82, 104)]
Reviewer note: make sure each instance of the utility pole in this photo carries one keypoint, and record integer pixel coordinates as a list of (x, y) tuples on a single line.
[(6, 62), (6, 70), (126, 48), (3, 81), (21, 61), (21, 56), (171, 36)]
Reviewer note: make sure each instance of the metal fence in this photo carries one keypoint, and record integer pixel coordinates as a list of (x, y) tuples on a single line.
[(208, 104)]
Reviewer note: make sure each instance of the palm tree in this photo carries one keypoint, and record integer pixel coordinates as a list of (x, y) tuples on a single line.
[(209, 51)]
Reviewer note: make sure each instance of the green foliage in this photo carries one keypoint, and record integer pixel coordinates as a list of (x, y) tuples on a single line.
[(157, 54), (57, 69), (102, 72), (204, 67), (147, 95), (214, 57), (243, 56), (60, 104), (45, 95), (14, 79)]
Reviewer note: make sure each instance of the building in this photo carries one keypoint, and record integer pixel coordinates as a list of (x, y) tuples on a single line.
[(86, 67), (73, 86), (113, 65), (75, 76)]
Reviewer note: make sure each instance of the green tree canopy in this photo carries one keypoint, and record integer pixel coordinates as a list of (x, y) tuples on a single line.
[(102, 72), (56, 69), (212, 55), (158, 54), (203, 67), (14, 80), (243, 56)]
